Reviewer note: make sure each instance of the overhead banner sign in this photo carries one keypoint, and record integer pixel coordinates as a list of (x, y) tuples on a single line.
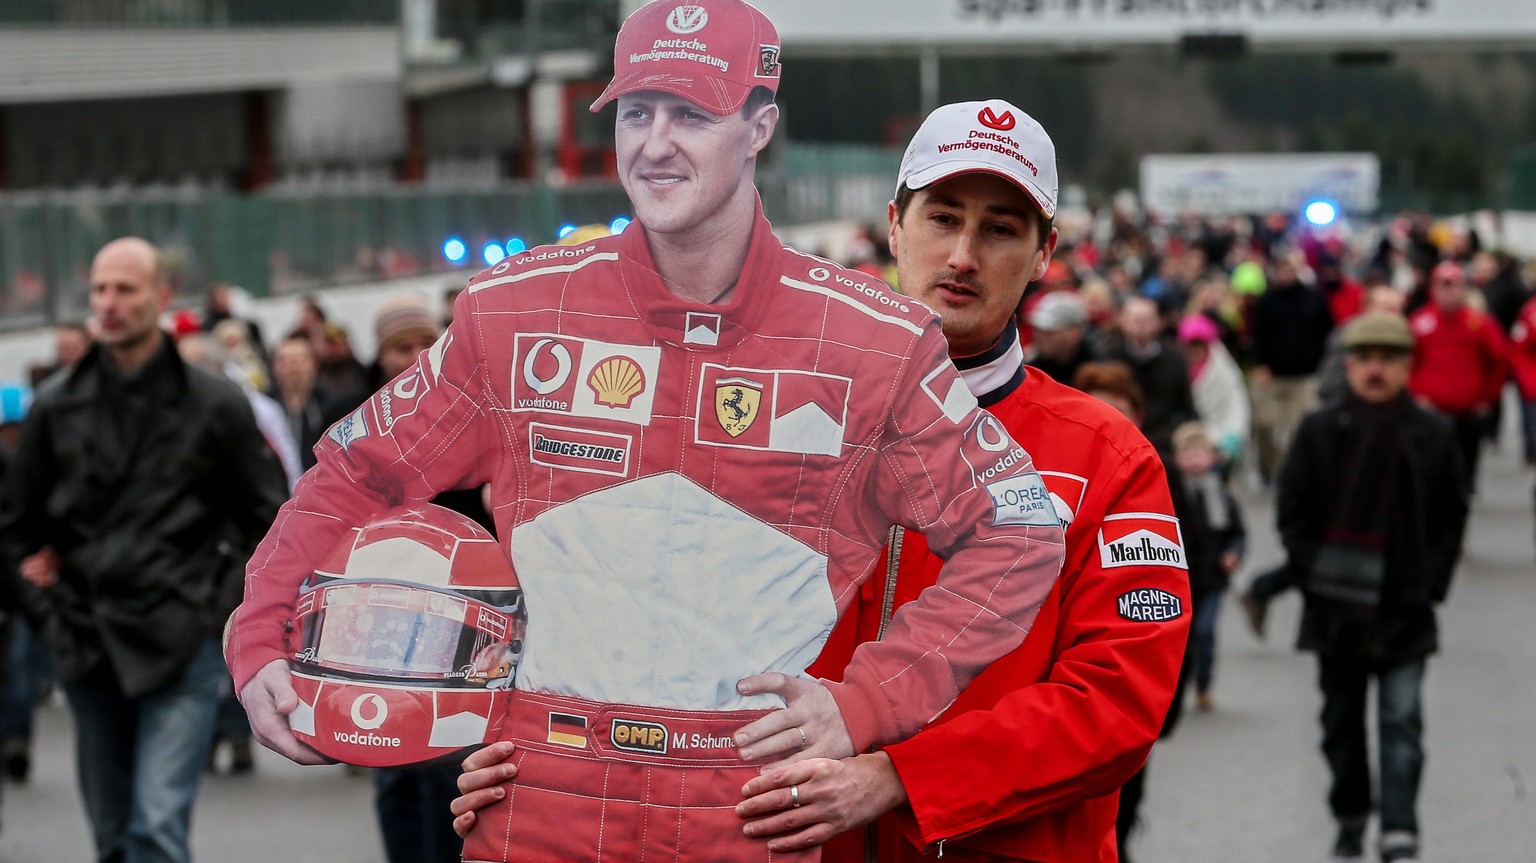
[(852, 23), (1259, 183)]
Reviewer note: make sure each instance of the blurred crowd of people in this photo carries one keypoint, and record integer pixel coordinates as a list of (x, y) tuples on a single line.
[(1234, 320), (1224, 333), (297, 386), (1217, 337)]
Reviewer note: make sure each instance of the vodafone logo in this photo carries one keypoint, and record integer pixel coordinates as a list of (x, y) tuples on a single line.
[(687, 19), (406, 388), (820, 274), (990, 435), (1003, 123), (562, 371), (369, 711)]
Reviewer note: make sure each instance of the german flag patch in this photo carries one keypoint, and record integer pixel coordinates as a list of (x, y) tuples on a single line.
[(567, 730)]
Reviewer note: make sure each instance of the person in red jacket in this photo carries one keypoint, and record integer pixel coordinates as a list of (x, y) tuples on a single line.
[(1460, 360), (1522, 361), (1027, 763)]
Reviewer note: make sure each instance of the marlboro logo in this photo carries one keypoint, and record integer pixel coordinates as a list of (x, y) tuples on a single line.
[(1141, 539)]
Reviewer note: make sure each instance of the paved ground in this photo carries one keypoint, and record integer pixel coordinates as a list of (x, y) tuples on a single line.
[(1243, 784), (1246, 782)]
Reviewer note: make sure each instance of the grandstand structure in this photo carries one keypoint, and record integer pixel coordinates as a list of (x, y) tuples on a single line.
[(287, 145)]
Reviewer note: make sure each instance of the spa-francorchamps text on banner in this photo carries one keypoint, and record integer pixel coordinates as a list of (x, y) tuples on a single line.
[(1259, 183), (1381, 23)]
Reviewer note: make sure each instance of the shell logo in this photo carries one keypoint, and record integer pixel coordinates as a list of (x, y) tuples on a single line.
[(616, 381)]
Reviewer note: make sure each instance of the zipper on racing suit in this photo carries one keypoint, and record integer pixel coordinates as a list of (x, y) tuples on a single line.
[(887, 609)]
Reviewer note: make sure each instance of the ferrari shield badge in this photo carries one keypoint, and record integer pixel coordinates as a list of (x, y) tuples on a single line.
[(736, 404)]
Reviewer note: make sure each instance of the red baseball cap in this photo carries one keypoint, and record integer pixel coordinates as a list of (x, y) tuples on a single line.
[(711, 53)]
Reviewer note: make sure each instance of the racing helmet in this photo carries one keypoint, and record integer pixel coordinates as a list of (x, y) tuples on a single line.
[(407, 639)]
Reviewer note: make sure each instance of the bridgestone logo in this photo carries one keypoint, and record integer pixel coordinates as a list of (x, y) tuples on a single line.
[(578, 450), (357, 738)]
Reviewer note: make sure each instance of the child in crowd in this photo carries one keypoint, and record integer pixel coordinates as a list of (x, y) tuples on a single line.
[(1213, 544)]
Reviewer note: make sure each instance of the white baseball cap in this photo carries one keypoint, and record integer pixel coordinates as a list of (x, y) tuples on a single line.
[(991, 136)]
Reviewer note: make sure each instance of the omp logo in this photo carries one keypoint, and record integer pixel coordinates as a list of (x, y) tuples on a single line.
[(633, 735), (369, 711), (687, 19), (991, 120), (1149, 605), (558, 376)]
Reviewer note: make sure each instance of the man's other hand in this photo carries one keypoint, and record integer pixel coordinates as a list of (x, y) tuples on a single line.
[(269, 698), (486, 771), (809, 725), (833, 796)]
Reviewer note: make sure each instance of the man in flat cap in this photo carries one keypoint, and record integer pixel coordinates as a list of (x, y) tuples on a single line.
[(1372, 504)]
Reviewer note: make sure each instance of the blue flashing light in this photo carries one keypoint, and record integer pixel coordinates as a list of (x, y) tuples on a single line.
[(1321, 213), (566, 229), (455, 250), (516, 246), (619, 225), (493, 253)]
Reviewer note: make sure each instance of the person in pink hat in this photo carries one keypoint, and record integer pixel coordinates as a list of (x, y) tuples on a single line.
[(697, 441), (1215, 381)]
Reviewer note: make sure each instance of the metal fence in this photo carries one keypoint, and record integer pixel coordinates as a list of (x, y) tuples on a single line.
[(195, 13), (1522, 178), (286, 242)]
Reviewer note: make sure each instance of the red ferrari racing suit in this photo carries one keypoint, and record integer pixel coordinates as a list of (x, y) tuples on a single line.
[(690, 494), (1028, 763)]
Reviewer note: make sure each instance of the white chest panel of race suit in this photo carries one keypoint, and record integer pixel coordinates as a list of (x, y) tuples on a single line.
[(676, 595)]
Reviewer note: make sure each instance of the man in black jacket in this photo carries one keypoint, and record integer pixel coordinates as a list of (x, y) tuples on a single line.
[(1159, 367), (1290, 327), (140, 487), (1372, 505)]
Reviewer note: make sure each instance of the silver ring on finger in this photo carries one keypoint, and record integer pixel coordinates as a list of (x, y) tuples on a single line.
[(804, 741), (794, 796)]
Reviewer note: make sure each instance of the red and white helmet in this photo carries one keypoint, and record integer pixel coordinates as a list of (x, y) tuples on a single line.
[(409, 636)]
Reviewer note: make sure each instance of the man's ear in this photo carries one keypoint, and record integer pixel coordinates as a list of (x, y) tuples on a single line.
[(891, 240), (763, 124), (1045, 259)]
